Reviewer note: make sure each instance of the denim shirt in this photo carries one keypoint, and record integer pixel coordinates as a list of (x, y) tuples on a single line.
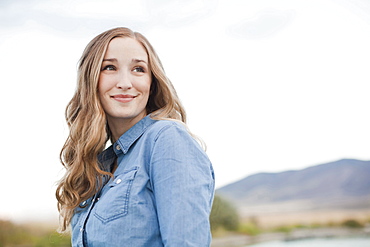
[(161, 193)]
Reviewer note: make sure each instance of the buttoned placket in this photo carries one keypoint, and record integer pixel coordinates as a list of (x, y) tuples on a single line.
[(82, 236), (119, 153)]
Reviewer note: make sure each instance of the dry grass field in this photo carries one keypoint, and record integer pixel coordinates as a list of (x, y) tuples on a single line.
[(308, 218)]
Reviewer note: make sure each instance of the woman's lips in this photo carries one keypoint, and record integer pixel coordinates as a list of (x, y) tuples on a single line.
[(124, 98)]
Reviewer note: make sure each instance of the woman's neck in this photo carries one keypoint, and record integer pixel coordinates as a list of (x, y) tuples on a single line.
[(119, 126)]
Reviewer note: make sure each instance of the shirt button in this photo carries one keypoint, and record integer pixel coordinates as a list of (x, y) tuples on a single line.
[(118, 147), (118, 181), (81, 229), (83, 203)]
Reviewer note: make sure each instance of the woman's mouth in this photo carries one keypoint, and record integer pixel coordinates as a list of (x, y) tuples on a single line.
[(123, 98)]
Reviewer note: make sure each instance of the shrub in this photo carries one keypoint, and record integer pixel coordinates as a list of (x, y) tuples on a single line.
[(224, 214), (352, 224), (249, 228)]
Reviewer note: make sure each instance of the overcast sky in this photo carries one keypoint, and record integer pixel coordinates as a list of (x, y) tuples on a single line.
[(269, 85)]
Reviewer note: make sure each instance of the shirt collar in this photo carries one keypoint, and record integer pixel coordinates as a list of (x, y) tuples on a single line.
[(123, 144), (106, 158)]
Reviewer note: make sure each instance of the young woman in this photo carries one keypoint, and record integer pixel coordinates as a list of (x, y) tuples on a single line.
[(154, 185)]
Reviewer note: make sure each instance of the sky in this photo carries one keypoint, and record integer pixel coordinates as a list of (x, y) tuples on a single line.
[(268, 85)]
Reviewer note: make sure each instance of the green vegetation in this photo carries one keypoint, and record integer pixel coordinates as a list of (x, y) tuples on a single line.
[(249, 228), (22, 235), (352, 224), (224, 215), (225, 219)]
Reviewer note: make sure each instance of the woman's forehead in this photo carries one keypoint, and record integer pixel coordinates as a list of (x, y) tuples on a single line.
[(126, 47)]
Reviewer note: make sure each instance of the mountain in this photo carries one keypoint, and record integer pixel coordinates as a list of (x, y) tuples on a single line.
[(341, 184)]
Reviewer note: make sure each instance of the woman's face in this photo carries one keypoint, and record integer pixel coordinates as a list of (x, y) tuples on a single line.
[(124, 81)]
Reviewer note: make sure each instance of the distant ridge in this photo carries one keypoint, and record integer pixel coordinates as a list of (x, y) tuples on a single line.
[(341, 184)]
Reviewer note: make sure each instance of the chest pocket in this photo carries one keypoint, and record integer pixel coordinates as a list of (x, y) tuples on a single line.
[(114, 203)]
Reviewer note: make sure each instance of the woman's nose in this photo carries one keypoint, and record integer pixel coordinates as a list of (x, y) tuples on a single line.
[(124, 81)]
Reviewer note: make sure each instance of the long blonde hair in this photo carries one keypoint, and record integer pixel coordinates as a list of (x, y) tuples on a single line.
[(88, 129)]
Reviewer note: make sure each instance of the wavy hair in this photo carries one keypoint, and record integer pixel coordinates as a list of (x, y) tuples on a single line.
[(88, 128)]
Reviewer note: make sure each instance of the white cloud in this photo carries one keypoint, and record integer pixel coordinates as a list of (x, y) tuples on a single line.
[(263, 24)]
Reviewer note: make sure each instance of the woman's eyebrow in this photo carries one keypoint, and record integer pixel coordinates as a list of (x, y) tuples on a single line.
[(109, 60), (135, 60)]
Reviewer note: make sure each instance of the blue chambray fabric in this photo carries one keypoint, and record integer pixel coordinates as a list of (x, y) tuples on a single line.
[(161, 193)]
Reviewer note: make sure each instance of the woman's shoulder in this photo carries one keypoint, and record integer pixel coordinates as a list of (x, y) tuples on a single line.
[(167, 128), (161, 125)]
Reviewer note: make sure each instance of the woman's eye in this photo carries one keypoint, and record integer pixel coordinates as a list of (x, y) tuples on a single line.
[(109, 67), (139, 69)]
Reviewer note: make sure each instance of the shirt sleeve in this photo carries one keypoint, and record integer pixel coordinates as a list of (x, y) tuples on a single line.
[(182, 179)]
